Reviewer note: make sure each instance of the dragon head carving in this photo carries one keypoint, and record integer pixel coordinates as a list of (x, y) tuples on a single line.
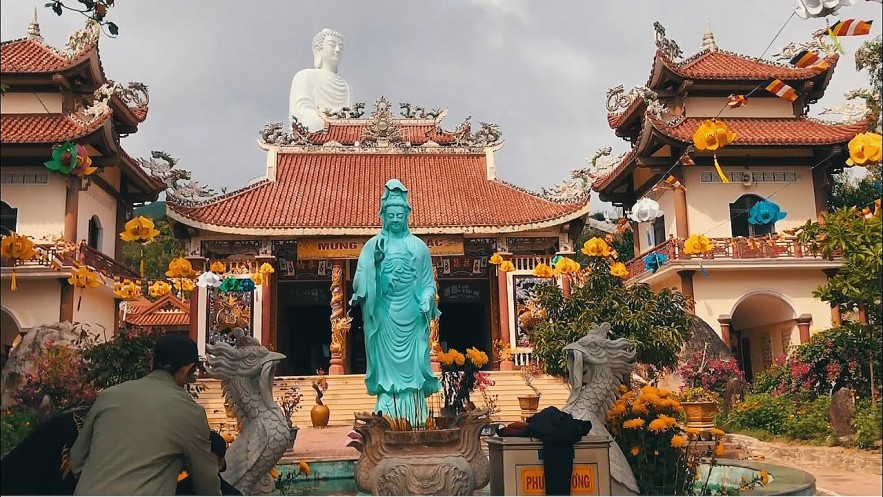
[(243, 368)]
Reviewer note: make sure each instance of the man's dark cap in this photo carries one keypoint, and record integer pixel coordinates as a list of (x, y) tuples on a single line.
[(175, 351)]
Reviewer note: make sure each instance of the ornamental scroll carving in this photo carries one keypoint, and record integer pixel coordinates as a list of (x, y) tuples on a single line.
[(340, 322), (179, 186), (355, 111), (618, 100), (669, 47), (275, 134), (818, 44), (382, 129), (578, 187), (134, 94), (410, 111), (487, 136), (83, 38)]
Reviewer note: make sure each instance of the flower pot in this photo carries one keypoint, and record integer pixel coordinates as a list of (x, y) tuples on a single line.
[(700, 414), (319, 415), (292, 436), (529, 402)]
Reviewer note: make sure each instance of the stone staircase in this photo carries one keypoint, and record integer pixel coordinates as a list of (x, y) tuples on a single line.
[(346, 394)]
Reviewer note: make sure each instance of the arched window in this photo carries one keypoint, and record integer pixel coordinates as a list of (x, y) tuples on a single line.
[(739, 218), (8, 218), (95, 230)]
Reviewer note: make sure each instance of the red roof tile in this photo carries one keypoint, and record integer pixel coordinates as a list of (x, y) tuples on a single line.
[(44, 128), (604, 182), (167, 310), (725, 65), (32, 56), (617, 119), (769, 131), (348, 134), (340, 193)]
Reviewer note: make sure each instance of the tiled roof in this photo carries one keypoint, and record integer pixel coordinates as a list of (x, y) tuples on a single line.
[(140, 113), (32, 56), (617, 119), (769, 131), (348, 134), (331, 193), (167, 310), (604, 182), (723, 65), (44, 128)]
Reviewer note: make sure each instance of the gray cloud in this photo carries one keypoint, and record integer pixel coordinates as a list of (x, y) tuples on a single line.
[(218, 71)]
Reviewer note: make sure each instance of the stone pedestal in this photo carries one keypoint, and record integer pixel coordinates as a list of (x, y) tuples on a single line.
[(431, 462), (516, 466)]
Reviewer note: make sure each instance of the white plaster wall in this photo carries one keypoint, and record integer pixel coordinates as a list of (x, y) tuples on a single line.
[(35, 302), (40, 207), (708, 204), (757, 107), (96, 201), (31, 103), (97, 309), (717, 294)]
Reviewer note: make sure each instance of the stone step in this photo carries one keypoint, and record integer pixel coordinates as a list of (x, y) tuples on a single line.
[(346, 395)]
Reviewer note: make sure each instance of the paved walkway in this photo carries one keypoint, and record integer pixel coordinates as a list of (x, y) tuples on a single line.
[(324, 444)]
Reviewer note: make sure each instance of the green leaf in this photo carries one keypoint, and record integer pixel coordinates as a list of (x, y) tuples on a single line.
[(113, 29)]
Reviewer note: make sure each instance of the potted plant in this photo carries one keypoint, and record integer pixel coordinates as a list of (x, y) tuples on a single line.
[(505, 355), (531, 402), (320, 413), (460, 375), (290, 403), (700, 406)]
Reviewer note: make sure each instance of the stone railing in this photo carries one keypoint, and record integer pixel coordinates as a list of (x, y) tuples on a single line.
[(522, 356), (528, 262), (738, 248)]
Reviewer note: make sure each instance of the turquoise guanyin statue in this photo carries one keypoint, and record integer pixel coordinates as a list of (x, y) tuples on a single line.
[(396, 290)]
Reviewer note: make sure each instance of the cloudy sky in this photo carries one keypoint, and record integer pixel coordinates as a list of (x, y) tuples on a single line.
[(219, 70)]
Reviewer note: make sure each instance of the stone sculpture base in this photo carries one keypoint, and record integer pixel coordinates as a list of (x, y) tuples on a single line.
[(432, 462)]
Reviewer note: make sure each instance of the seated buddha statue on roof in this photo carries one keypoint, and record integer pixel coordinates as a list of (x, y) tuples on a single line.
[(315, 90)]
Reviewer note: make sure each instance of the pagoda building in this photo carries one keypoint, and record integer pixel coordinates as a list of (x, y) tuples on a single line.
[(52, 96), (755, 284), (317, 205)]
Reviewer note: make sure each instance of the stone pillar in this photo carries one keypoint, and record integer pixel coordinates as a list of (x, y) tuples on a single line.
[(686, 276), (66, 311), (726, 324), (836, 316), (503, 286), (434, 338), (196, 296), (340, 323), (566, 282), (682, 226), (71, 208), (268, 335), (803, 322)]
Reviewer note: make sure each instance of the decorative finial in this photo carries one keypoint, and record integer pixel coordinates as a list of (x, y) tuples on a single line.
[(34, 28), (708, 38)]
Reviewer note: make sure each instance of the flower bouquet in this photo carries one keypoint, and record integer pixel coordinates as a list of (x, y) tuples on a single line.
[(459, 375)]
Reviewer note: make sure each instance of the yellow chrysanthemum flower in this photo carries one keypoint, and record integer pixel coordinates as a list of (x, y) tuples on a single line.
[(717, 432), (712, 134), (635, 450), (661, 423), (616, 410), (496, 259), (596, 247), (304, 467), (139, 229), (182, 475), (865, 149), (127, 290), (719, 450), (566, 265), (184, 284), (764, 477), (477, 357), (697, 244), (542, 271), (258, 278), (459, 358), (633, 423), (640, 408), (623, 389), (274, 473), (678, 441), (619, 269)]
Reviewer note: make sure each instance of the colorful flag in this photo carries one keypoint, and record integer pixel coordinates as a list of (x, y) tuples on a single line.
[(851, 27), (734, 101), (673, 182), (686, 160), (809, 59), (781, 90)]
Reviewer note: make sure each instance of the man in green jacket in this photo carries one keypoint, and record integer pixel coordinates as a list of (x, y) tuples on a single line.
[(141, 434)]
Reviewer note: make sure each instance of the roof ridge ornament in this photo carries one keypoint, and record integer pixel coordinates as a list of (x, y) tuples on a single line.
[(275, 134), (410, 111), (165, 171), (488, 135), (618, 100), (818, 44), (382, 129), (579, 186), (669, 47), (83, 38), (355, 111), (34, 28), (134, 94), (708, 42)]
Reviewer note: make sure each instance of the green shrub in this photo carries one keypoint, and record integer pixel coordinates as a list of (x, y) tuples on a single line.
[(59, 370), (809, 420), (867, 423), (762, 412), (770, 379), (123, 358), (15, 424)]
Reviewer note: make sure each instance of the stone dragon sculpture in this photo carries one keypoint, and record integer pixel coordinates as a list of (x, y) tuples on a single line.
[(597, 366), (246, 374)]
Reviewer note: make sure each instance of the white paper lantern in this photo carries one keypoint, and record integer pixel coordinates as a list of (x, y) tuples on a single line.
[(645, 210), (208, 279), (819, 8)]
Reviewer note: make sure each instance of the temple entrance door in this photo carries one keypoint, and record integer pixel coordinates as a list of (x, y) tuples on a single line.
[(304, 327), (465, 319)]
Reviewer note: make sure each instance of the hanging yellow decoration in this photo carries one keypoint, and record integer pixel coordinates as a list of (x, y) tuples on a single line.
[(266, 268), (619, 269), (712, 135), (127, 290), (697, 244), (865, 149), (596, 247), (184, 284), (218, 267), (496, 259), (566, 265), (720, 172), (180, 267), (159, 288), (18, 248), (542, 271), (139, 229), (258, 278), (507, 266), (82, 278)]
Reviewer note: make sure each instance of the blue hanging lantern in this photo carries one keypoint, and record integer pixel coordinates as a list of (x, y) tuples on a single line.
[(765, 212), (654, 261)]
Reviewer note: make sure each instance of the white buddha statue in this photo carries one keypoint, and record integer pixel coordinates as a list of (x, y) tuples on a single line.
[(321, 88)]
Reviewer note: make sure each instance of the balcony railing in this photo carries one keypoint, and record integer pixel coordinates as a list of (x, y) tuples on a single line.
[(56, 255), (739, 248), (528, 262)]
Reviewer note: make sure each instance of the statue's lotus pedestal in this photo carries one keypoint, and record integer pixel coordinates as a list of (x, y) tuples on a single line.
[(429, 462), (516, 467)]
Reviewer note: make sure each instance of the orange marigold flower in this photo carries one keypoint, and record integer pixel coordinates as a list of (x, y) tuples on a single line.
[(719, 450), (678, 441), (636, 450), (623, 389), (655, 452), (717, 432), (640, 408), (182, 475), (633, 423)]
